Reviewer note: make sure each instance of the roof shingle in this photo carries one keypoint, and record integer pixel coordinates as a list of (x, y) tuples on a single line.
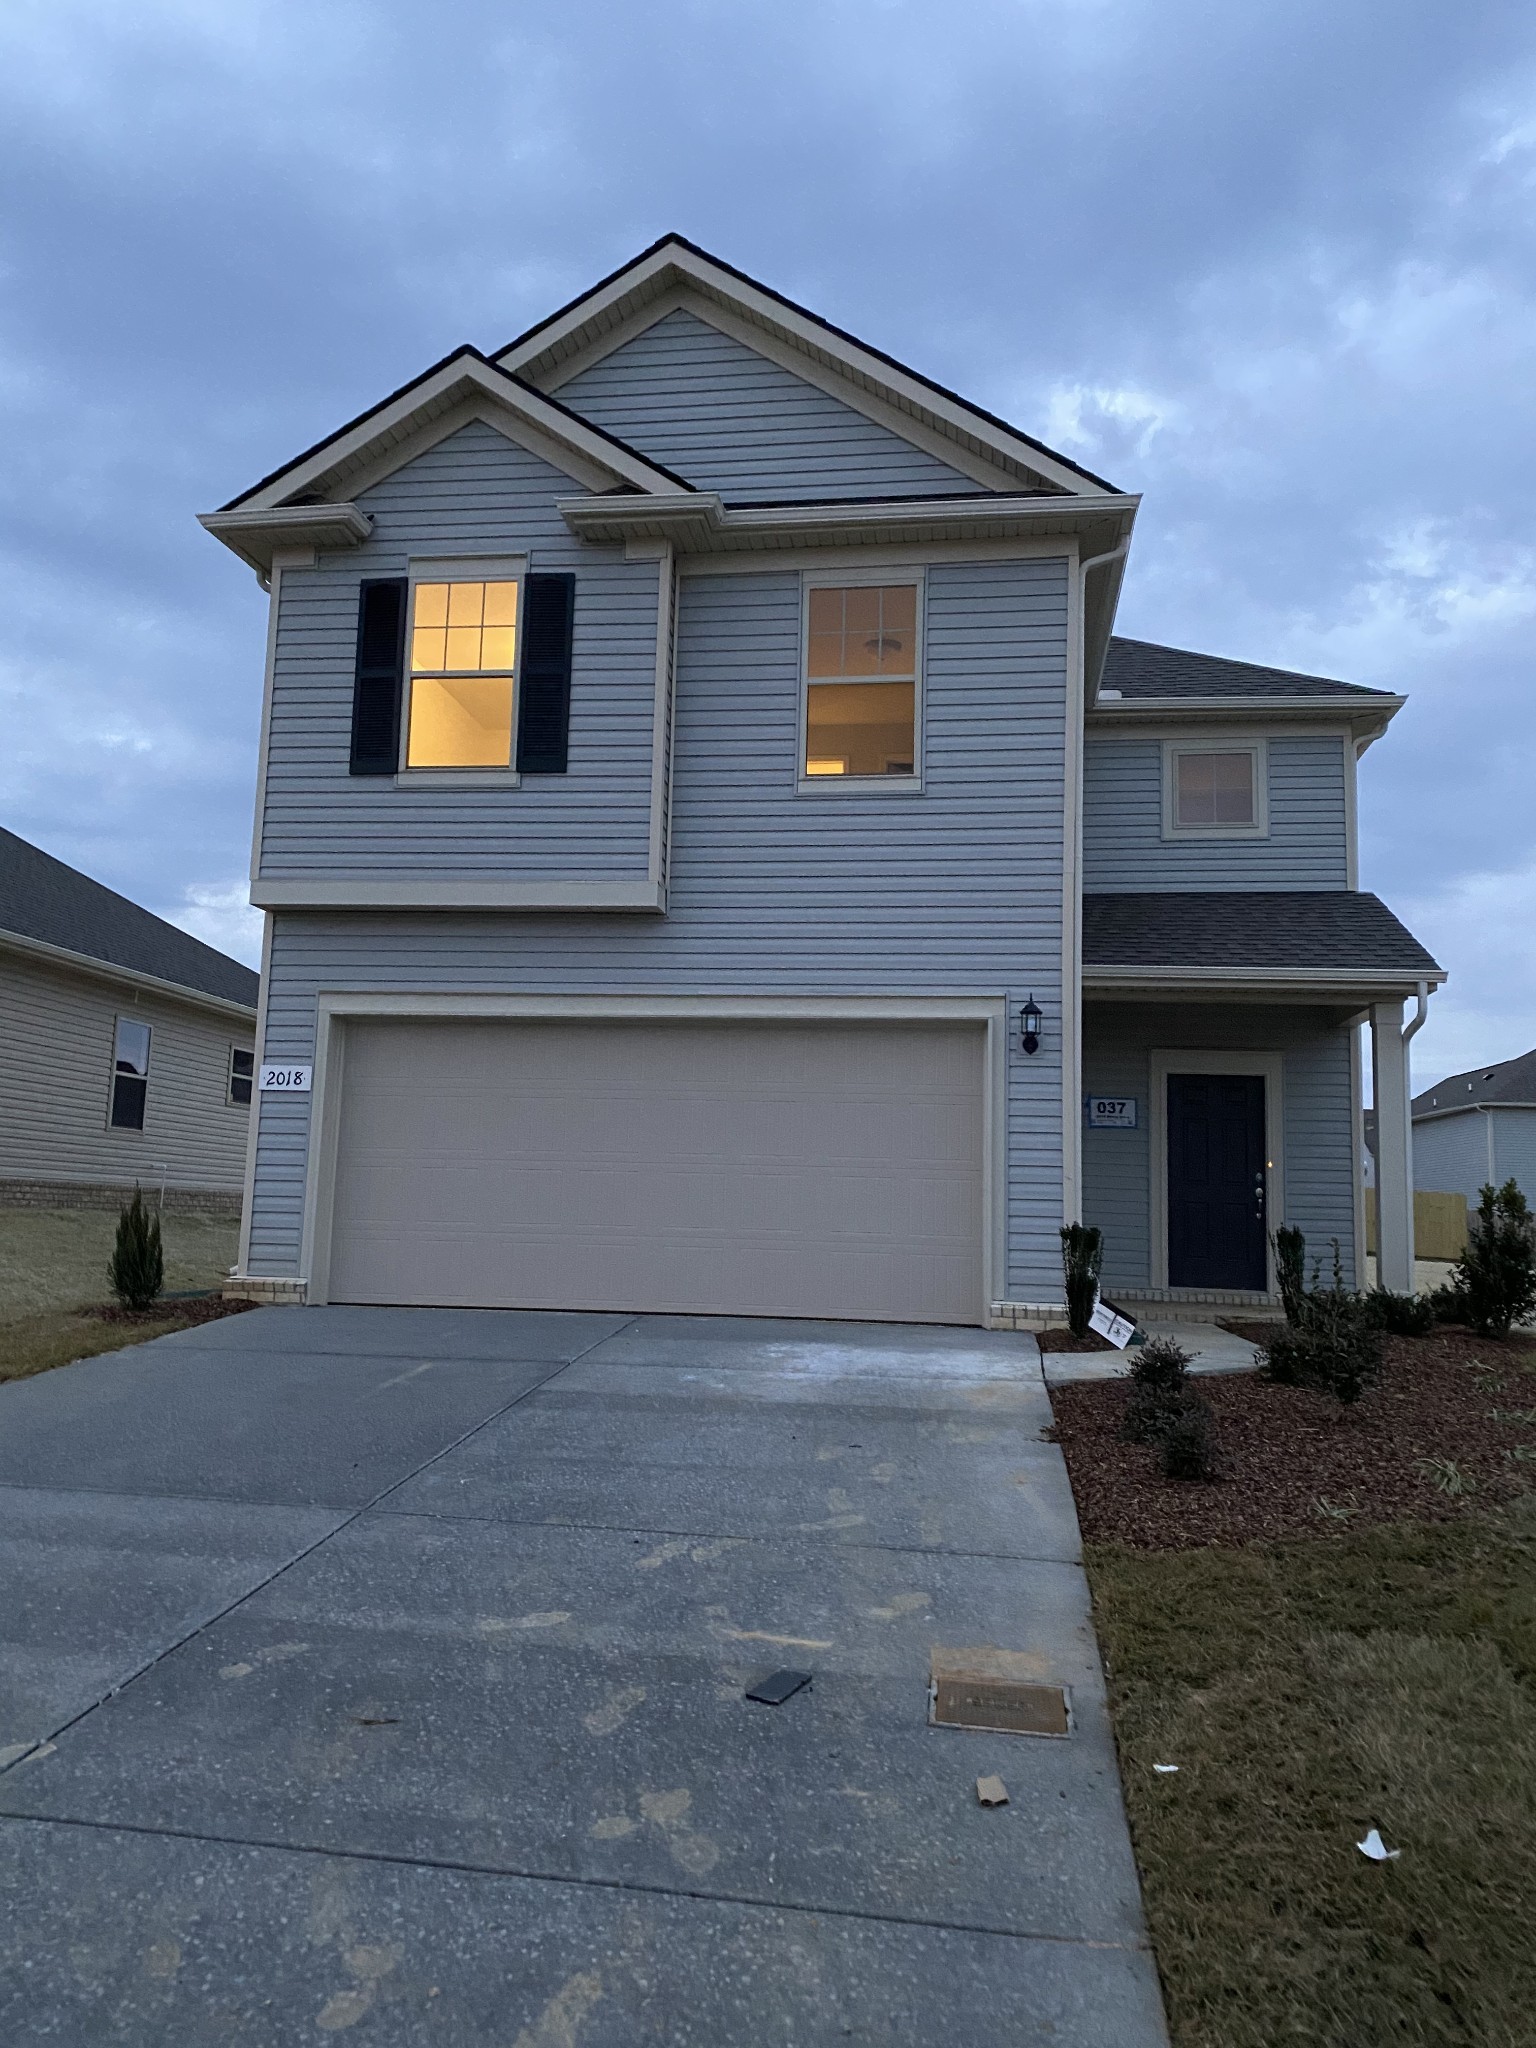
[(1308, 929), (1142, 668), (1507, 1081)]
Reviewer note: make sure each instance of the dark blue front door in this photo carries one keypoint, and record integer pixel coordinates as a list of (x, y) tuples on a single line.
[(1216, 1181)]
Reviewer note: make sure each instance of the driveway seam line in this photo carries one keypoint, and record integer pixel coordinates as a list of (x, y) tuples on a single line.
[(614, 1884), (298, 1558)]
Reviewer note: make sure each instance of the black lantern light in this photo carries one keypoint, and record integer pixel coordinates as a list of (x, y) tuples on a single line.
[(1030, 1022)]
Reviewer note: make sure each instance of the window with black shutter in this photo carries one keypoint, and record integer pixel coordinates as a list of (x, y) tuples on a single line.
[(544, 715), (379, 678)]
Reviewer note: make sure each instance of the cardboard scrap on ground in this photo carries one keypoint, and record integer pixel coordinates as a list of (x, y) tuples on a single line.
[(991, 1792)]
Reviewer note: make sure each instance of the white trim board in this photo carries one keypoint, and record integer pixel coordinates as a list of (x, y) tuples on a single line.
[(456, 892), (334, 1008), (1163, 1061)]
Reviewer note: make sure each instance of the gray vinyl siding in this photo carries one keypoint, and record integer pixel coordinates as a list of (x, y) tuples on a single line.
[(1124, 847), (56, 1049), (474, 493), (709, 408), (956, 890), (1320, 1149), (1450, 1153)]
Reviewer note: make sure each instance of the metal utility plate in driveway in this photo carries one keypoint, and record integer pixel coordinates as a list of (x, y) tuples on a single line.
[(997, 1690)]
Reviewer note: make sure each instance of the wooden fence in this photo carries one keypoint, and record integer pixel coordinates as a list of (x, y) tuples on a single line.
[(1439, 1224)]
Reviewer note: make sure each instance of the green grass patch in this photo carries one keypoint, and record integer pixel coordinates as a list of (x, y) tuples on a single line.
[(1308, 1691), (31, 1344), (57, 1258)]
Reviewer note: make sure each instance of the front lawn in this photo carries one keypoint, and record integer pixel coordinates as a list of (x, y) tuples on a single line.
[(1362, 1672)]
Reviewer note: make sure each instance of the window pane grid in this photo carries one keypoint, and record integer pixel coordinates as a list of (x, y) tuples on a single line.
[(463, 655), (1214, 789), (861, 681)]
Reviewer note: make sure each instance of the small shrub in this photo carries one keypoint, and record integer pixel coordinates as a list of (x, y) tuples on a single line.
[(1449, 1304), (1189, 1445), (1496, 1274), (1159, 1391), (1291, 1271), (1400, 1315), (136, 1268), (1335, 1345), (1082, 1256)]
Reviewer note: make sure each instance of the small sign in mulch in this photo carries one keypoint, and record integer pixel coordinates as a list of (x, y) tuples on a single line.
[(1450, 1425), (196, 1308)]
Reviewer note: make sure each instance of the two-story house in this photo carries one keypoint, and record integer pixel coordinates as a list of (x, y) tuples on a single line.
[(717, 859)]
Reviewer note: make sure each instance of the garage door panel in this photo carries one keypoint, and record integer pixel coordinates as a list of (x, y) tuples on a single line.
[(705, 1168)]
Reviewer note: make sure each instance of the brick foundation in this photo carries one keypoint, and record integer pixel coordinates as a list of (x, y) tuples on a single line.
[(221, 1204)]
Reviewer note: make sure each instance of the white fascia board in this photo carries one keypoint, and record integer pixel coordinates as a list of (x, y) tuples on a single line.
[(1306, 981), (257, 536), (1434, 1116), (700, 523), (1374, 712), (589, 324), (130, 977), (449, 892)]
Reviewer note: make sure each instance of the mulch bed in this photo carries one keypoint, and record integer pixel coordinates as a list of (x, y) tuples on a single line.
[(1063, 1340), (202, 1308), (1293, 1459)]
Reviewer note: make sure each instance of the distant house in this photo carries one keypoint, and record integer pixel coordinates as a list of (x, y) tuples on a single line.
[(1478, 1127), (127, 1047)]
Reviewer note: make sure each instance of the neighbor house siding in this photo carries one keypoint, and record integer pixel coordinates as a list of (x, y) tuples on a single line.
[(1123, 844), (1451, 1153), (713, 410), (56, 1048), (1317, 1129), (475, 493), (954, 891)]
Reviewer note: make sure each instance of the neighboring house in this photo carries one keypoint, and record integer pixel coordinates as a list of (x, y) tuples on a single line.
[(1478, 1128), (126, 1047), (716, 858)]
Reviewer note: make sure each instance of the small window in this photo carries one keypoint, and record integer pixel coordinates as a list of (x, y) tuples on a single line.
[(242, 1072), (1217, 790), (130, 1074), (861, 681), (463, 659)]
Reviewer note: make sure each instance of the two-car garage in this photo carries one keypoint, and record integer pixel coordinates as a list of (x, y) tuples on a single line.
[(755, 1166)]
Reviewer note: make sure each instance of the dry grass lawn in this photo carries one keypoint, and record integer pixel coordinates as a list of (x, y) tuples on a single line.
[(1309, 1691)]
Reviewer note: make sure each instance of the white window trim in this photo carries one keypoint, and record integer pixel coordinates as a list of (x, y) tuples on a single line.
[(1212, 743), (1270, 1066), (229, 1077), (460, 569), (868, 576), (128, 1130)]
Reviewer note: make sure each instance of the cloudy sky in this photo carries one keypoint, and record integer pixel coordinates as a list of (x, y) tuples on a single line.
[(1270, 264)]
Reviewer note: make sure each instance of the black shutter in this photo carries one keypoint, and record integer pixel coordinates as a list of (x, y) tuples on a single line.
[(379, 678), (544, 680)]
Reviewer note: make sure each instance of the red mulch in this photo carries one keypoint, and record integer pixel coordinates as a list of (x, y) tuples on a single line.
[(1284, 1450), (1063, 1340), (203, 1308)]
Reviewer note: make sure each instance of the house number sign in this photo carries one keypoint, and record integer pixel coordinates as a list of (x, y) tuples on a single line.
[(1112, 1112), (280, 1080)]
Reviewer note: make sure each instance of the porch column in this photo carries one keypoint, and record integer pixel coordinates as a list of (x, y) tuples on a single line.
[(1394, 1149)]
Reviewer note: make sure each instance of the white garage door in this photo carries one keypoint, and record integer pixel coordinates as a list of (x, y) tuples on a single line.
[(754, 1169)]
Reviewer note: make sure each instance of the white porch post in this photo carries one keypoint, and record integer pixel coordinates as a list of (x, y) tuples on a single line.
[(1394, 1149)]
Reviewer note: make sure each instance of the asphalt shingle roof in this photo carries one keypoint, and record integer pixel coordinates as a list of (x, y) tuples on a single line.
[(1142, 668), (42, 899), (1508, 1081), (1310, 929)]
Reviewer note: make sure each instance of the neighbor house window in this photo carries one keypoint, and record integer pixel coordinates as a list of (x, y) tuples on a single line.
[(861, 680), (242, 1072), (463, 659), (130, 1074), (1218, 790)]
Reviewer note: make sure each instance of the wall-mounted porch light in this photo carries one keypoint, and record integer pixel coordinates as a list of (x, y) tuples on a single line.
[(1030, 1021)]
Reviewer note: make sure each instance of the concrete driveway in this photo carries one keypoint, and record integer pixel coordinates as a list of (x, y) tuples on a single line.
[(380, 1673)]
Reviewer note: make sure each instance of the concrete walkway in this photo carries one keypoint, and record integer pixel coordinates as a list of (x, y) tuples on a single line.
[(1210, 1350), (384, 1669)]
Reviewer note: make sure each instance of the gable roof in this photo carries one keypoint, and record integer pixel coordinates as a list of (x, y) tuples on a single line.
[(1508, 1081), (1142, 668), (1343, 932), (54, 906), (596, 319)]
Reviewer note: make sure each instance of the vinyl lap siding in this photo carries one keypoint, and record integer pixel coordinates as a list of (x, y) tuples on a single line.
[(728, 419), (1450, 1153), (1124, 847), (56, 1039), (955, 891), (475, 493)]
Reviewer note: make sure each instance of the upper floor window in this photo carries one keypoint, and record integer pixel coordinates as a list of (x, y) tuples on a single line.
[(861, 680), (130, 1074), (463, 661), (242, 1072), (1216, 791)]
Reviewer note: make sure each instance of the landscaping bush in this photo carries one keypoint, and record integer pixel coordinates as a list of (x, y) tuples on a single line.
[(1082, 1255), (1335, 1344), (1189, 1443), (1494, 1282), (1159, 1391), (136, 1268), (1291, 1271), (1400, 1315)]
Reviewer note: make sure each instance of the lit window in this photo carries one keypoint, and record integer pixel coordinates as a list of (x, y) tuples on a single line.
[(463, 657), (861, 681), (242, 1072), (130, 1074), (1214, 791)]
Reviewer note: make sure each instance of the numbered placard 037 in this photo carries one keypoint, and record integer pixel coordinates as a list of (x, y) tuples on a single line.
[(1111, 1112)]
